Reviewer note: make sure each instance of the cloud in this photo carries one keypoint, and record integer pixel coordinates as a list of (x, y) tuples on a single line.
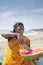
[(38, 10), (8, 18), (5, 14)]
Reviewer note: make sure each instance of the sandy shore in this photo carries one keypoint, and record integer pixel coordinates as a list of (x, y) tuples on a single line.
[(36, 40)]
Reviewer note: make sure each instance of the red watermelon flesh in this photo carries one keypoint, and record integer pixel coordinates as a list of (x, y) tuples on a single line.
[(25, 51), (34, 51)]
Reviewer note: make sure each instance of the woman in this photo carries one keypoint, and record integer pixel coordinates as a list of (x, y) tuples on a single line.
[(16, 42)]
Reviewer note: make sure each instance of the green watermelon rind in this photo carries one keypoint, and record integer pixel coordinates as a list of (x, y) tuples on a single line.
[(35, 56)]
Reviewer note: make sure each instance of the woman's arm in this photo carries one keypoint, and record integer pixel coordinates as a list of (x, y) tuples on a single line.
[(26, 45), (6, 35), (9, 35)]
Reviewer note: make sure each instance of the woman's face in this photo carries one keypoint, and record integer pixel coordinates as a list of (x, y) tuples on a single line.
[(19, 29)]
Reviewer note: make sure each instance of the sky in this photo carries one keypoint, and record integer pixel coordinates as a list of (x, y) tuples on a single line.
[(29, 12)]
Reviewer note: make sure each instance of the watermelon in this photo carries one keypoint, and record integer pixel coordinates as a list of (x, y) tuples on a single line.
[(34, 54)]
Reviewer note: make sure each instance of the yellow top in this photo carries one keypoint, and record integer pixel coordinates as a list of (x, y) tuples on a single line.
[(12, 56)]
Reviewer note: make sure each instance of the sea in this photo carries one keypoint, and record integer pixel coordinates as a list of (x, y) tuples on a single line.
[(3, 40)]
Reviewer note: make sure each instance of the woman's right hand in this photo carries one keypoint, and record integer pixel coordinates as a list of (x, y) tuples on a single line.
[(8, 35)]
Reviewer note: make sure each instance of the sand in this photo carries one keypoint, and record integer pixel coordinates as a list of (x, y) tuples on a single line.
[(36, 40)]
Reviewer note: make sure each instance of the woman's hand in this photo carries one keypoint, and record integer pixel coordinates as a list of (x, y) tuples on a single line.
[(21, 40), (27, 47)]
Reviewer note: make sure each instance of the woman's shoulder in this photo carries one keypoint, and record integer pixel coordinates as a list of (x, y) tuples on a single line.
[(26, 37)]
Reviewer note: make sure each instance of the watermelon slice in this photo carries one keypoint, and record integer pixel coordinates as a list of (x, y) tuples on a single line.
[(34, 54)]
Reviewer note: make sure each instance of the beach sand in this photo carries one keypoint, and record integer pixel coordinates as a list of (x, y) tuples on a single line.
[(36, 40)]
